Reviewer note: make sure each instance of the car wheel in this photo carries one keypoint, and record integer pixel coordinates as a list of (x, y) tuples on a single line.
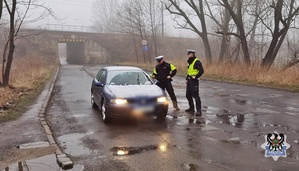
[(162, 115), (93, 104), (105, 118)]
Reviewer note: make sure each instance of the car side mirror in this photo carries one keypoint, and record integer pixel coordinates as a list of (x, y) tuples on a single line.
[(98, 84)]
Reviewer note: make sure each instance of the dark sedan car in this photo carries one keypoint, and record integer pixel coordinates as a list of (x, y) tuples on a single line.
[(120, 91)]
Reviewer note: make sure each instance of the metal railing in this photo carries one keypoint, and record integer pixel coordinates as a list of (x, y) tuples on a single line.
[(72, 28)]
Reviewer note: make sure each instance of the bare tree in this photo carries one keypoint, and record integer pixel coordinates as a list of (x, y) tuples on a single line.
[(141, 20), (222, 23), (175, 8), (10, 45), (254, 10), (130, 22), (17, 12), (284, 14), (153, 12), (237, 17), (293, 49), (104, 12)]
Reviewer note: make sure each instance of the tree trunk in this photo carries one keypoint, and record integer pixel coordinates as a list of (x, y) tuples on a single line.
[(279, 34), (256, 19), (207, 47), (245, 48), (237, 17), (205, 38), (1, 7), (224, 42), (9, 63), (200, 13), (290, 64), (269, 57), (223, 48), (134, 40), (11, 44)]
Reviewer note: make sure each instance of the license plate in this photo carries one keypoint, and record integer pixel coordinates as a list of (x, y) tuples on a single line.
[(145, 109)]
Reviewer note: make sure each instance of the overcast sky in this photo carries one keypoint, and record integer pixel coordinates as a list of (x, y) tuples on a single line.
[(73, 12), (79, 13)]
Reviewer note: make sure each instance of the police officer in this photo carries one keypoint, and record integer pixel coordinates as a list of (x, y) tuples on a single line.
[(195, 70), (163, 72)]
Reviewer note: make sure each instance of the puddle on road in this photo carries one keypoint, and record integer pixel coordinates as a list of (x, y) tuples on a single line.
[(210, 109), (79, 115), (121, 151), (45, 163), (244, 95), (222, 95), (241, 101), (275, 95), (73, 144), (244, 121), (286, 128), (293, 109), (264, 110), (190, 166), (290, 113)]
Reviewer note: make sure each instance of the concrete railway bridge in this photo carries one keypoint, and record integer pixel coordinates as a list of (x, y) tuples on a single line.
[(78, 47)]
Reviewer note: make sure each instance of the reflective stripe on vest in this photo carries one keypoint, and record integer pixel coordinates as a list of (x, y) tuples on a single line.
[(155, 71), (172, 67), (191, 70)]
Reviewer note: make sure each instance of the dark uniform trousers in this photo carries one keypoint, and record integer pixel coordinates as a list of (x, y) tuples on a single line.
[(168, 86), (193, 92)]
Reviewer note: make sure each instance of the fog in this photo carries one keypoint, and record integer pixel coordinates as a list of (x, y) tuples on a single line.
[(80, 13)]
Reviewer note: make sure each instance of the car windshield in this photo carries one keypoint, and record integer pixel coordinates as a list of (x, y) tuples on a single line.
[(128, 78)]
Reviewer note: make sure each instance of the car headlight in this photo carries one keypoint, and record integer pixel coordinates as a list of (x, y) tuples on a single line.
[(161, 100), (119, 101)]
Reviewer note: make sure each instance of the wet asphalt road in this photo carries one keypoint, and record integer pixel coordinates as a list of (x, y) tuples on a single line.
[(230, 111)]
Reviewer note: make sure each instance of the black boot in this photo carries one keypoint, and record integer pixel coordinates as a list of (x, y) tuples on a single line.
[(190, 110), (198, 113)]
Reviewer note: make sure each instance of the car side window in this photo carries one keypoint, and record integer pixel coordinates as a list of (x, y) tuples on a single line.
[(103, 77), (98, 76)]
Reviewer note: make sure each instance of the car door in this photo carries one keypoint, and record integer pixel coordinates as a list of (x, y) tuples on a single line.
[(98, 86)]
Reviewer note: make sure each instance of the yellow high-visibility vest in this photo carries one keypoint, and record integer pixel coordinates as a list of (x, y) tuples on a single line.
[(191, 70)]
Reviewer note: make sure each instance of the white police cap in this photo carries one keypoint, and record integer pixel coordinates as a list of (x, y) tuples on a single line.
[(190, 51), (159, 58)]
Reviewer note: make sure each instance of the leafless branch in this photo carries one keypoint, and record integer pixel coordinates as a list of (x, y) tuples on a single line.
[(232, 34)]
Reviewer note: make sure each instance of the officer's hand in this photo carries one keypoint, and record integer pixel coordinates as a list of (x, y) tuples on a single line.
[(193, 77), (168, 77)]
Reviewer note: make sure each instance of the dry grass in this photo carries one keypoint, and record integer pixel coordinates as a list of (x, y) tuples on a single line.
[(255, 75), (28, 75), (274, 78), (26, 70)]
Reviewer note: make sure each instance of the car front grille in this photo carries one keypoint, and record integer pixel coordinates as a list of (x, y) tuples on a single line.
[(142, 101)]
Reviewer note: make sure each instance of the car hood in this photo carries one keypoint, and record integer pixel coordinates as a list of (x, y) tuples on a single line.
[(132, 91)]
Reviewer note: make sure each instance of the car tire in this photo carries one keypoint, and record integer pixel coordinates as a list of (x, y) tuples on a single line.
[(105, 118), (93, 103), (162, 115)]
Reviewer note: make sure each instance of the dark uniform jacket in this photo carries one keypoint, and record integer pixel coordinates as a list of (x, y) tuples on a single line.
[(163, 70)]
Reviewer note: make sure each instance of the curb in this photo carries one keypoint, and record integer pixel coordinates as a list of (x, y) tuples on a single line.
[(63, 160)]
